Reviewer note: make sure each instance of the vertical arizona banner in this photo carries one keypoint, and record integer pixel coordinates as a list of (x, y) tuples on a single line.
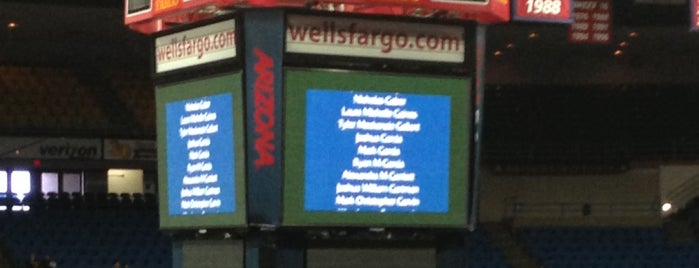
[(264, 34)]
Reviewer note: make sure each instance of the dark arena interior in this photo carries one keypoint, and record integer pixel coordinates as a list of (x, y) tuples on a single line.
[(589, 153)]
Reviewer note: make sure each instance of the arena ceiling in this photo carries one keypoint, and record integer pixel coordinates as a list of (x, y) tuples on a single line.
[(67, 34), (659, 50), (664, 50)]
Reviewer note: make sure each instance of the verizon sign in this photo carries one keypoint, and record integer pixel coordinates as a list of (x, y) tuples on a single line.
[(374, 39), (205, 44), (50, 148)]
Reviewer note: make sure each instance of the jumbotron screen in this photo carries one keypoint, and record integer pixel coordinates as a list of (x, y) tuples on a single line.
[(201, 153), (370, 149)]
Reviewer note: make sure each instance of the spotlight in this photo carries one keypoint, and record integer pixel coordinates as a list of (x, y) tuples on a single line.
[(667, 206)]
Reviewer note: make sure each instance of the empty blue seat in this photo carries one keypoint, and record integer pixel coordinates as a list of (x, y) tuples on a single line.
[(86, 238), (607, 247)]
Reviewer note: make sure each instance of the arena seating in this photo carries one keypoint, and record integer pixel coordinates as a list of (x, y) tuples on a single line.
[(608, 247), (47, 98), (482, 252), (60, 101), (138, 94), (87, 237), (94, 229), (692, 212), (545, 123)]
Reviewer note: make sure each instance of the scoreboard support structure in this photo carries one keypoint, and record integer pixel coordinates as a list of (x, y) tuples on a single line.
[(274, 89), (268, 249)]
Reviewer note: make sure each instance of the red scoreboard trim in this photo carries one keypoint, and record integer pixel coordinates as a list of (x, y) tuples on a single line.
[(520, 11), (694, 15), (160, 14)]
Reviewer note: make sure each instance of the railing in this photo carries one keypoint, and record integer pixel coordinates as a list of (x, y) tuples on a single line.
[(516, 209)]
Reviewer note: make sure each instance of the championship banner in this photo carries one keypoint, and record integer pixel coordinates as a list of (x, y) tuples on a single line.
[(592, 22), (556, 11)]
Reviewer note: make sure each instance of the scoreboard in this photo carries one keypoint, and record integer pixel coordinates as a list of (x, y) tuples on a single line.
[(310, 119), (376, 149)]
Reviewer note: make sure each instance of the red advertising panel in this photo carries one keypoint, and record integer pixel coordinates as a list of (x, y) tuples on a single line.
[(694, 15), (484, 11), (161, 6), (592, 22), (542, 10), (200, 3), (148, 16)]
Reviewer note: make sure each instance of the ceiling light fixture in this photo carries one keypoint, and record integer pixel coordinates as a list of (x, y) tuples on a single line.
[(667, 206)]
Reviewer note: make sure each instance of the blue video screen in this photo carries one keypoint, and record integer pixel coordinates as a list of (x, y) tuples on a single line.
[(200, 155), (376, 152)]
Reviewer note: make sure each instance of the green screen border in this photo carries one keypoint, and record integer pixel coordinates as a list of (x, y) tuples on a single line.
[(298, 81), (206, 86)]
